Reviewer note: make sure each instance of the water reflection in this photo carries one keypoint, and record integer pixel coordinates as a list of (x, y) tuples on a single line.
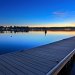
[(44, 32), (13, 41)]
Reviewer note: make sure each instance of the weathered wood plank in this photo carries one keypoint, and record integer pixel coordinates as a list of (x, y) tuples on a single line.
[(20, 65), (6, 70), (12, 67), (33, 63), (1, 72)]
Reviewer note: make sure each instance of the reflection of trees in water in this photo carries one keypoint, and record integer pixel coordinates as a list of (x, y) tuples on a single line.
[(1, 31), (16, 29), (13, 29), (25, 31)]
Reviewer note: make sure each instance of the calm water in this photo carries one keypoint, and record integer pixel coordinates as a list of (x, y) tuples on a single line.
[(22, 41)]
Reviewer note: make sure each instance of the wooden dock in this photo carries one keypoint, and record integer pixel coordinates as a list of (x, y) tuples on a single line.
[(43, 60)]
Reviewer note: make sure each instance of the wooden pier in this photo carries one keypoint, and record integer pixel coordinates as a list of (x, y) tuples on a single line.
[(43, 60)]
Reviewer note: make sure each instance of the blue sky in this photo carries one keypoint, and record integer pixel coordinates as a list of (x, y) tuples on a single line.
[(36, 12)]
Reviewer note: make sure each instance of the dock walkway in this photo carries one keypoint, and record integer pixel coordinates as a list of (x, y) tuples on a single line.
[(43, 60)]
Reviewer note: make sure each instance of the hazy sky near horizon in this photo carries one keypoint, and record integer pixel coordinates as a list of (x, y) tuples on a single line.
[(36, 12)]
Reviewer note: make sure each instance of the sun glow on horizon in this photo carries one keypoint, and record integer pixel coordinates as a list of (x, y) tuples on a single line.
[(43, 25), (54, 25)]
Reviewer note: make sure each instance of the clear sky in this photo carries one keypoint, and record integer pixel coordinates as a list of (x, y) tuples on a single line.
[(37, 12)]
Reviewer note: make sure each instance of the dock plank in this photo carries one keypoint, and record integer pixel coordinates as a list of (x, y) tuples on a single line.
[(19, 64), (33, 63)]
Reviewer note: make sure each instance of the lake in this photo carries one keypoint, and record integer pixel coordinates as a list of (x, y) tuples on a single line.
[(10, 41)]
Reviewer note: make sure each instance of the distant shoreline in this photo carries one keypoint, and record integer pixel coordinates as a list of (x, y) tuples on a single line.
[(27, 29)]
